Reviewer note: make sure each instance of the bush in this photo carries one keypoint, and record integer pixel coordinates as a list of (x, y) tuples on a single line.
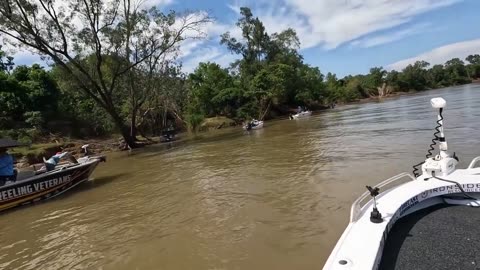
[(34, 119), (25, 140), (193, 122)]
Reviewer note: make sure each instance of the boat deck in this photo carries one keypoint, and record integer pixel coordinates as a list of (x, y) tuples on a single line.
[(439, 237)]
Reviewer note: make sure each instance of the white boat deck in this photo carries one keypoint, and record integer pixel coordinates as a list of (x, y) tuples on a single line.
[(362, 242)]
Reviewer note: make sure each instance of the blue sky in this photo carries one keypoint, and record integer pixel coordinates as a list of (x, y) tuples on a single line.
[(341, 36)]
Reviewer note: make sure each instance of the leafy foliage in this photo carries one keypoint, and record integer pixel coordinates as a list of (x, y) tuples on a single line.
[(120, 73)]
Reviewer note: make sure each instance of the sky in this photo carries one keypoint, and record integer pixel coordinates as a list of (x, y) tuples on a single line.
[(340, 36)]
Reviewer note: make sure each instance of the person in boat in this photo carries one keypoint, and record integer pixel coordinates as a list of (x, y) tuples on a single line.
[(52, 162), (299, 109), (86, 151), (7, 170)]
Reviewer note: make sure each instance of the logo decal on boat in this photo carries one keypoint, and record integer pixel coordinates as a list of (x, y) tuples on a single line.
[(19, 191), (408, 204)]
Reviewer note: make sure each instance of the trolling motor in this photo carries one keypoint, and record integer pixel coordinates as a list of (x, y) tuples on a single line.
[(375, 215), (442, 164)]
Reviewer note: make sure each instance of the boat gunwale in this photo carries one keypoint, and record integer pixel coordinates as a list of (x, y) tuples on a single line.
[(64, 168), (343, 251)]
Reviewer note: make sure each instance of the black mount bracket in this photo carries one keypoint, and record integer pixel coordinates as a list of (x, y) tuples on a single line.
[(375, 215)]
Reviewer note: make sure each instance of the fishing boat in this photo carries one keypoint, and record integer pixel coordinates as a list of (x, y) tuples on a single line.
[(428, 221), (301, 115), (252, 125), (32, 186)]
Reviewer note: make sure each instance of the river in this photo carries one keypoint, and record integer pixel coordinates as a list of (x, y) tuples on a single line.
[(277, 198)]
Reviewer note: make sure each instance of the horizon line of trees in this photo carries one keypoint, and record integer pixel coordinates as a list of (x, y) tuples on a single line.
[(119, 73)]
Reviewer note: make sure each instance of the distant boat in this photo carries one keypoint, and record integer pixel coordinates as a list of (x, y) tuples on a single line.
[(255, 124), (301, 115)]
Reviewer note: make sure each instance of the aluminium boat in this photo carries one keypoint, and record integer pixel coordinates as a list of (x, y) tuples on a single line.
[(34, 186), (429, 221), (299, 115), (255, 124)]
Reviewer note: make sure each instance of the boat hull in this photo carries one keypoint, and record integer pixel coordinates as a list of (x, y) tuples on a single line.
[(302, 115), (258, 126), (45, 186)]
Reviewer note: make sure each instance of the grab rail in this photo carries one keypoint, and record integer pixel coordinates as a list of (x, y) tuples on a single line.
[(474, 162), (356, 208)]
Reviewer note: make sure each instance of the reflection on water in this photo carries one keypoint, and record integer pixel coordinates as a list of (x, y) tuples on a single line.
[(276, 198)]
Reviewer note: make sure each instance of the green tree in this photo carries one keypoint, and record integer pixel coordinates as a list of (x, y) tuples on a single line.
[(374, 80), (270, 86), (310, 86), (68, 31), (6, 62), (414, 77), (437, 77), (474, 66), (209, 85), (456, 71)]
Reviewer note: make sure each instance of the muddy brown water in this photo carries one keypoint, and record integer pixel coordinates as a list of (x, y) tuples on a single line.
[(277, 198)]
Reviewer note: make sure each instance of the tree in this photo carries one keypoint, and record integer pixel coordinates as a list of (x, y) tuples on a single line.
[(6, 62), (96, 42), (253, 31), (208, 85), (374, 81), (270, 85), (310, 86), (414, 77), (474, 66), (473, 59), (437, 77), (456, 71)]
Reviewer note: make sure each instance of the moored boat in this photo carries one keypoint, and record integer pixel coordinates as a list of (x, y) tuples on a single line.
[(387, 227), (33, 186), (301, 115), (252, 125)]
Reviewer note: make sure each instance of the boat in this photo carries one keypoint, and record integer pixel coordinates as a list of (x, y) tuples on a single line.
[(254, 124), (301, 115), (427, 219), (33, 186)]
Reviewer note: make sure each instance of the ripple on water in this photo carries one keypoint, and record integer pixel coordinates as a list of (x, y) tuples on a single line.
[(274, 199)]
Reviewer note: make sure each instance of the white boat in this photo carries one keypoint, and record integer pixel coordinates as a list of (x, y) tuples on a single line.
[(301, 115), (255, 124), (422, 223)]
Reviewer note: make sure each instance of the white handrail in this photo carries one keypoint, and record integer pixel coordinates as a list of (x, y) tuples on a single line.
[(473, 163), (356, 207)]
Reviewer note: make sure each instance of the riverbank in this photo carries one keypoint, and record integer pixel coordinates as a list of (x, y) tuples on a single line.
[(210, 128)]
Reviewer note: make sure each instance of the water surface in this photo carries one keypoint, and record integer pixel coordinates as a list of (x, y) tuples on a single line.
[(276, 198)]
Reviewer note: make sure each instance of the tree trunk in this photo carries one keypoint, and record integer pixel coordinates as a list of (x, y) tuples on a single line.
[(124, 130), (266, 110), (133, 124)]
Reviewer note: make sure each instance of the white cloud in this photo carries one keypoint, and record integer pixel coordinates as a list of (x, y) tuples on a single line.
[(331, 23), (442, 54), (158, 3), (368, 42), (208, 54), (326, 23)]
